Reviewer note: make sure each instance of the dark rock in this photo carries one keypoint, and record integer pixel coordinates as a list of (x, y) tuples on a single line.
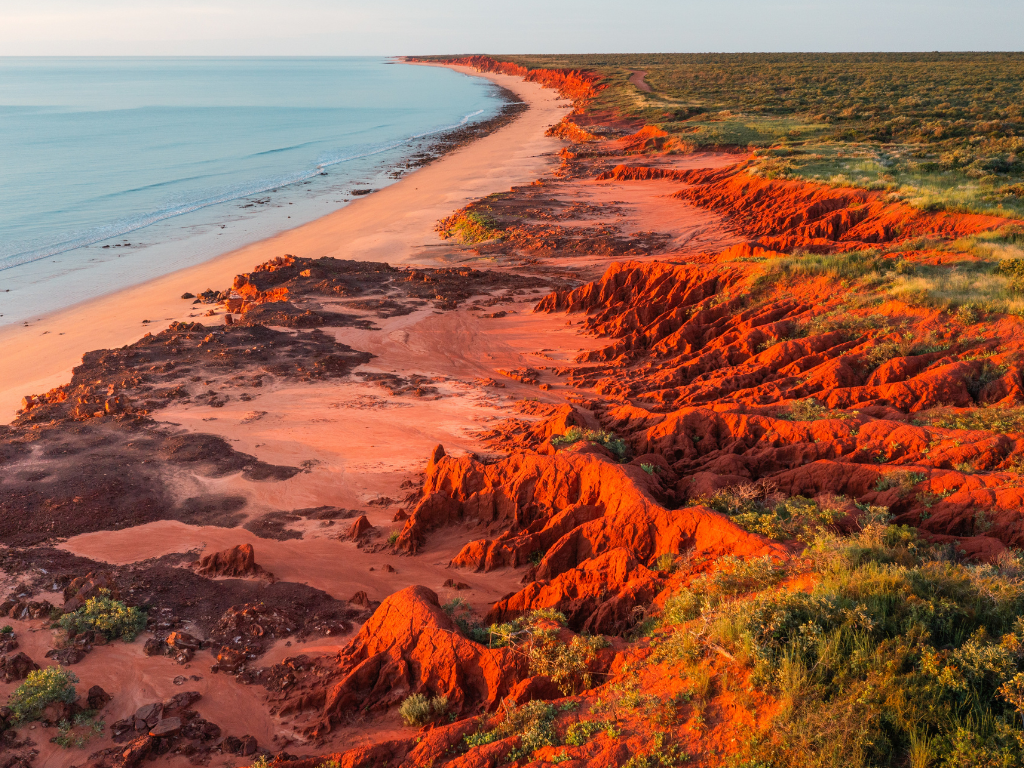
[(97, 698), (16, 667), (169, 726)]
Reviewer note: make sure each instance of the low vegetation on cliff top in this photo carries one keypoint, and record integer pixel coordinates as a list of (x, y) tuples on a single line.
[(939, 130), (878, 649)]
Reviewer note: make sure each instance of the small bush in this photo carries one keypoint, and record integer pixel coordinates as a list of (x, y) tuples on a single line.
[(534, 723), (41, 688), (417, 710), (812, 410), (579, 733), (78, 732), (754, 509), (600, 436), (903, 480), (393, 538), (112, 618), (460, 612), (565, 663)]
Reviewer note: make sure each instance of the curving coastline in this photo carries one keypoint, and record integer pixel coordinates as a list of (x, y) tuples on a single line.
[(393, 224), (547, 498)]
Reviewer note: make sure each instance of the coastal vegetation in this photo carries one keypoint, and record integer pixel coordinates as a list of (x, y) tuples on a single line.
[(941, 131)]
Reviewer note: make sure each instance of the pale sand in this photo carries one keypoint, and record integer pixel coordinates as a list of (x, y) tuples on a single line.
[(395, 225)]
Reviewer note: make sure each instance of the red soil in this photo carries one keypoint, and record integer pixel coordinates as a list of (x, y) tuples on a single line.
[(784, 215)]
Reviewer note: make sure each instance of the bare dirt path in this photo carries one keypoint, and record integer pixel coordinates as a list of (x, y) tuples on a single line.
[(637, 79)]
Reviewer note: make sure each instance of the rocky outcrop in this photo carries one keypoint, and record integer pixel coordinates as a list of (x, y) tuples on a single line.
[(409, 645), (597, 597), (237, 562), (565, 509)]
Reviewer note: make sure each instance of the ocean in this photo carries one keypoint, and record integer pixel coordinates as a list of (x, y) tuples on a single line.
[(117, 170)]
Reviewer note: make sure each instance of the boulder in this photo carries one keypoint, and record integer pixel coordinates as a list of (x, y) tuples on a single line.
[(16, 667), (168, 726), (97, 698)]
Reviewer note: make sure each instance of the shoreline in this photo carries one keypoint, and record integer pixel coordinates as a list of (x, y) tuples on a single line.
[(393, 224)]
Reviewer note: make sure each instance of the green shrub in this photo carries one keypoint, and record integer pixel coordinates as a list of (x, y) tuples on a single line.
[(903, 480), (41, 688), (755, 510), (579, 733), (460, 612), (533, 723), (661, 754), (78, 732), (565, 663), (417, 710), (112, 618)]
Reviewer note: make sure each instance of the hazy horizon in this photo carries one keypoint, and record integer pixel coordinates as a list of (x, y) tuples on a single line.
[(397, 27)]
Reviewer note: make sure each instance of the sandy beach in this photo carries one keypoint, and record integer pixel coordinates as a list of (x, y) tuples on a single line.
[(395, 224)]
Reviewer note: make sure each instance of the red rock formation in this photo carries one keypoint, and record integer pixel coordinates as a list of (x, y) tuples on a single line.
[(408, 646), (597, 597), (784, 215), (578, 85), (569, 507), (237, 562), (568, 130), (717, 375)]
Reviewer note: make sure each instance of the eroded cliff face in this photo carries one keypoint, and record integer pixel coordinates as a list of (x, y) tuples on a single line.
[(575, 84)]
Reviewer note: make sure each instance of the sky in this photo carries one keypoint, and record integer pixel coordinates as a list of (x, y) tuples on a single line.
[(395, 27)]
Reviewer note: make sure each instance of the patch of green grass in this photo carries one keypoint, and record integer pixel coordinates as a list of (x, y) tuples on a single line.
[(418, 710), (895, 656), (533, 723), (755, 510), (661, 754), (460, 612), (78, 732), (471, 227), (994, 418), (600, 436), (579, 733), (903, 480), (812, 410)]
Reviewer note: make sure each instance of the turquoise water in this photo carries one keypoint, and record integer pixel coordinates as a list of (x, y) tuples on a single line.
[(118, 150)]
